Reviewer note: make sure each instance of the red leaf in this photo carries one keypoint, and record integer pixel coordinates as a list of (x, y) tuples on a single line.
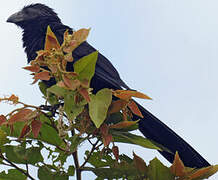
[(178, 167), (115, 151), (68, 82), (21, 116), (3, 120), (116, 106), (85, 94), (25, 131), (104, 129), (134, 108), (36, 125), (42, 76), (107, 139)]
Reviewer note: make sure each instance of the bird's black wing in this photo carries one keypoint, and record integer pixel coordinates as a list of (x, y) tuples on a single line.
[(106, 76), (105, 73)]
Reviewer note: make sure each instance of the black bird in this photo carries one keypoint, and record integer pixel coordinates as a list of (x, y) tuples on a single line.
[(35, 18)]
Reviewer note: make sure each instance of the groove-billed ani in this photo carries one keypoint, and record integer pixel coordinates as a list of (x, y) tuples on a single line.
[(35, 18)]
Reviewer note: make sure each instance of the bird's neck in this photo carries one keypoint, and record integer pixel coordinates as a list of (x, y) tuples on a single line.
[(34, 36)]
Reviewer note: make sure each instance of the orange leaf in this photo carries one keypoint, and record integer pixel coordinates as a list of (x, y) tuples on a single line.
[(128, 94), (3, 120), (13, 98), (33, 68), (36, 125), (139, 163), (115, 151), (25, 131), (200, 172), (116, 106), (20, 116), (51, 40), (42, 76), (178, 168), (123, 124), (84, 92), (134, 108)]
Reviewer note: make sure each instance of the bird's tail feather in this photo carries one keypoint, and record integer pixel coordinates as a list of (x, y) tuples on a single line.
[(155, 130)]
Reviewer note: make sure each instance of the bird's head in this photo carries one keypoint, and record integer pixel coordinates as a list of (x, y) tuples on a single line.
[(32, 14)]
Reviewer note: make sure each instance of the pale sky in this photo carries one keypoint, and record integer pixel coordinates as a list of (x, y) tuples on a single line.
[(166, 49)]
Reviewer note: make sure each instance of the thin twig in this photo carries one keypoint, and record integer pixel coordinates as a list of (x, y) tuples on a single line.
[(89, 155), (76, 162), (16, 167)]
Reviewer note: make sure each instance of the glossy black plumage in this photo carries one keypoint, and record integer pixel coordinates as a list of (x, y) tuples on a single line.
[(35, 18)]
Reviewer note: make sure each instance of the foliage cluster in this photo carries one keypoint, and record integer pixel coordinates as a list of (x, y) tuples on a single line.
[(72, 115)]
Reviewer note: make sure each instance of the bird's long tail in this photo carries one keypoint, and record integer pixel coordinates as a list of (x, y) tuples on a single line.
[(153, 129)]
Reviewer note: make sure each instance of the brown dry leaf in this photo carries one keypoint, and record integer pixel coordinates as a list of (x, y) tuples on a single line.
[(36, 125), (134, 108), (115, 151), (128, 94), (20, 116), (178, 168), (139, 163), (51, 40), (3, 120)]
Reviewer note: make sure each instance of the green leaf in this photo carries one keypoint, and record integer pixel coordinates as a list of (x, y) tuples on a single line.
[(97, 159), (75, 142), (120, 171), (85, 67), (43, 88), (71, 170), (126, 137), (99, 105), (58, 91), (21, 155), (13, 174), (3, 137), (45, 173), (72, 109), (156, 170), (49, 135)]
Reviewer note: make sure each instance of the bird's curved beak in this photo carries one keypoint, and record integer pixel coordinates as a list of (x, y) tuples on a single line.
[(16, 17)]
